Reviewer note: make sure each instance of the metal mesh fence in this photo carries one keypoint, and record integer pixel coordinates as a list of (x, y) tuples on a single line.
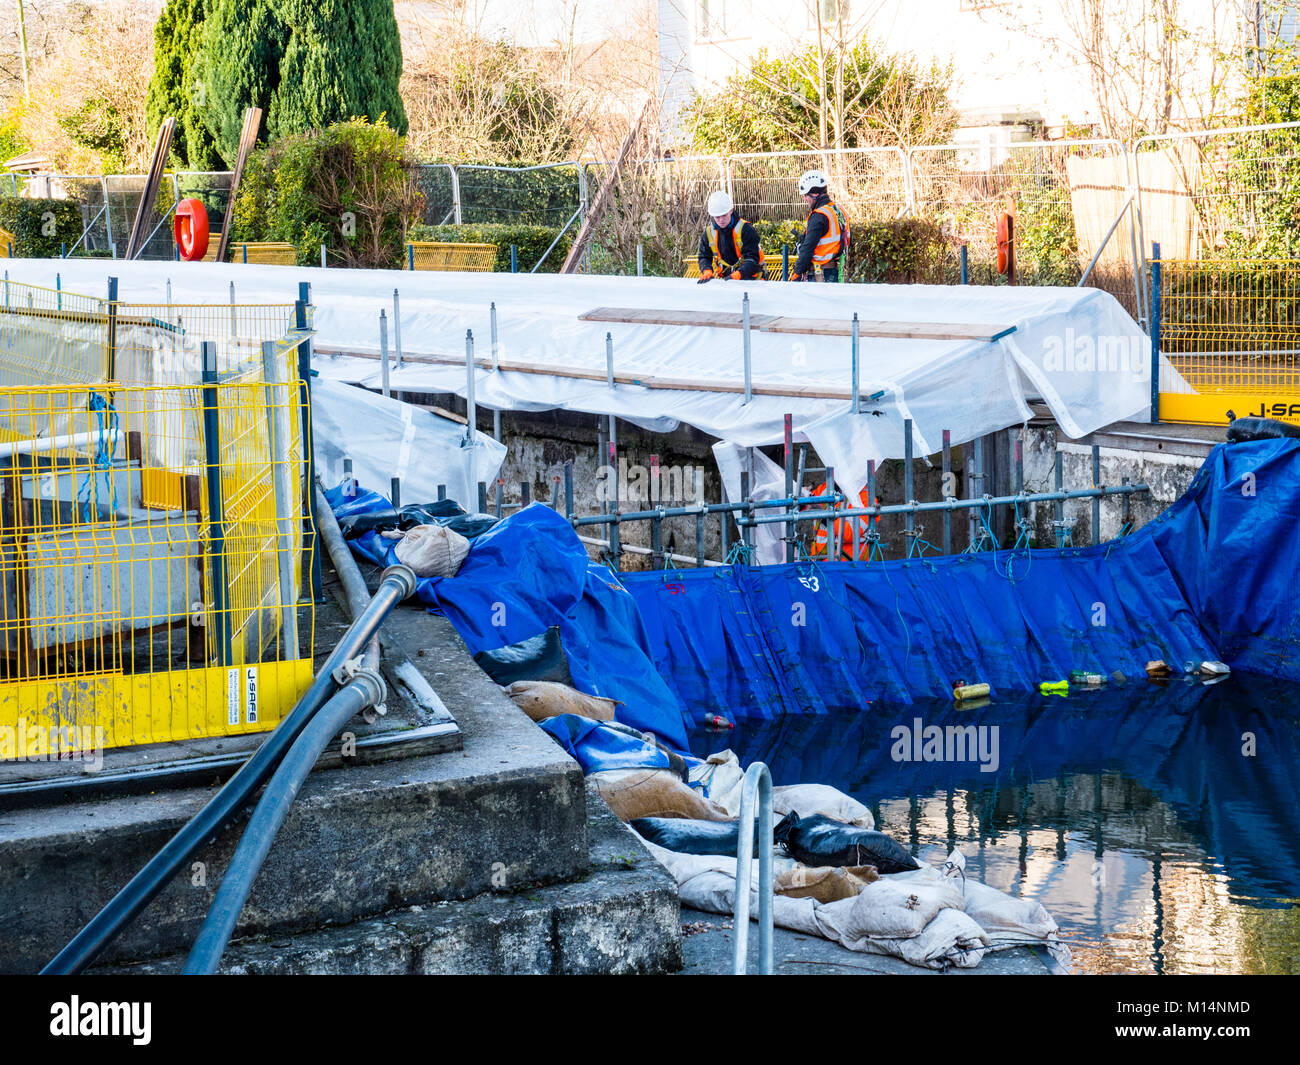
[(152, 525), (1232, 194), (869, 183), (536, 196)]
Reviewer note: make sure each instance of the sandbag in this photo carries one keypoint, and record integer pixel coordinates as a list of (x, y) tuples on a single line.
[(432, 550), (436, 513), (1241, 430), (821, 799), (637, 793), (690, 836), (721, 777), (818, 840), (539, 657), (825, 884), (469, 525), (542, 699)]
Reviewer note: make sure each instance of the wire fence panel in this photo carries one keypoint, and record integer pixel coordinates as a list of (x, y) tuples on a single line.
[(546, 195), (1231, 330), (658, 204), (152, 523), (436, 182), (870, 184), (1231, 194), (124, 192), (1064, 195)]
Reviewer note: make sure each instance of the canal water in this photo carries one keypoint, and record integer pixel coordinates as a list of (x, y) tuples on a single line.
[(1156, 822)]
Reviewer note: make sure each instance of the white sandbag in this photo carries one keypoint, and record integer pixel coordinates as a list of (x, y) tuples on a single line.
[(950, 940), (432, 550), (722, 777), (1008, 921), (885, 910), (809, 799)]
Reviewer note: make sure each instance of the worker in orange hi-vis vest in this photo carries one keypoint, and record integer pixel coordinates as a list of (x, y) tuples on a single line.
[(729, 245), (826, 235)]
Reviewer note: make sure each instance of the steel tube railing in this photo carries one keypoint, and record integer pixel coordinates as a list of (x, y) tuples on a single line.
[(756, 789)]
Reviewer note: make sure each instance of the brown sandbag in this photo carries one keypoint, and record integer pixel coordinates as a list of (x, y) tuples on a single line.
[(633, 793), (825, 883), (540, 699)]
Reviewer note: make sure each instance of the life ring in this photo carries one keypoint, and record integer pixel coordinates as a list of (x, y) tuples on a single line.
[(1004, 242), (850, 532), (190, 227)]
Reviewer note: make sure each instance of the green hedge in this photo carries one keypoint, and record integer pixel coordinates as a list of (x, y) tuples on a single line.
[(40, 226), (532, 242), (348, 186)]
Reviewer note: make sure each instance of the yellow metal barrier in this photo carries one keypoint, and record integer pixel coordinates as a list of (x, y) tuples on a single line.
[(152, 527), (435, 255), (267, 252), (1231, 330), (771, 269)]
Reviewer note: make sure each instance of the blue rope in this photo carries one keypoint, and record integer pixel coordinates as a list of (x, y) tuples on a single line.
[(105, 449)]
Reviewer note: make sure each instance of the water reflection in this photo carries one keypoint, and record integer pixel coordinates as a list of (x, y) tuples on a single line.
[(1156, 822)]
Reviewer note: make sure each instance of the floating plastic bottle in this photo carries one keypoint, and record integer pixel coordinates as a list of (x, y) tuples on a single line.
[(965, 692), (1055, 687), (1086, 679)]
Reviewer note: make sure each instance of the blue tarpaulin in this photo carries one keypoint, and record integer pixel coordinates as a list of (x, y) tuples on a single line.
[(1212, 578)]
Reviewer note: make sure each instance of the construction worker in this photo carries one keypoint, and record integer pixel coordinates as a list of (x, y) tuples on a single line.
[(826, 234), (729, 245)]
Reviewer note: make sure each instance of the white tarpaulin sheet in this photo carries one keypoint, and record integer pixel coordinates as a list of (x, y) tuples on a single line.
[(1075, 348), (387, 439)]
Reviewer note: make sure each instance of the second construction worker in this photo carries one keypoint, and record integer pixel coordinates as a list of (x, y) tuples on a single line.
[(826, 234), (729, 245)]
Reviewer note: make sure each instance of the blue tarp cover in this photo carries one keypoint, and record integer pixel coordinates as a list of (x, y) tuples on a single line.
[(1214, 577)]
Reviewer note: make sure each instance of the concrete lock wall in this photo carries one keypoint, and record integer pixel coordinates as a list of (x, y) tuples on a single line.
[(539, 444)]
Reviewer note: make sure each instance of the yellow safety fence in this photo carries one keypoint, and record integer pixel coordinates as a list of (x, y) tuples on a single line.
[(153, 532), (1231, 333), (438, 255)]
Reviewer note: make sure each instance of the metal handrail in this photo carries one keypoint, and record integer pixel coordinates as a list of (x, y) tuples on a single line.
[(757, 787)]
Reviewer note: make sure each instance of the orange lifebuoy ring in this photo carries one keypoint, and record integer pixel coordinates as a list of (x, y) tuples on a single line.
[(1004, 242), (190, 227), (850, 532)]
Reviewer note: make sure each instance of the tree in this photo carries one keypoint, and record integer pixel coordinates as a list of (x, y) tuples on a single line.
[(237, 66), (342, 60), (307, 65), (172, 89), (853, 96)]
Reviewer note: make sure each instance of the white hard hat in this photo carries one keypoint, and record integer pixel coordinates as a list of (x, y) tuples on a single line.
[(720, 203), (812, 179)]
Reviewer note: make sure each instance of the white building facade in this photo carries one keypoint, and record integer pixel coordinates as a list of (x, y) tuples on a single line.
[(1022, 68)]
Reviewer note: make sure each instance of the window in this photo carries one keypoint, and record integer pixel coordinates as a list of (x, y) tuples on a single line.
[(711, 19), (831, 11)]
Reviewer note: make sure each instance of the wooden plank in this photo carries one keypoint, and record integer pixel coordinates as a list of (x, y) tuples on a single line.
[(890, 330), (769, 323), (144, 214), (247, 140), (705, 319), (680, 384)]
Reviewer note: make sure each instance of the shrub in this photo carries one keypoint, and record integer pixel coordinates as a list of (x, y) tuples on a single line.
[(900, 251), (40, 226), (348, 187), (532, 242)]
